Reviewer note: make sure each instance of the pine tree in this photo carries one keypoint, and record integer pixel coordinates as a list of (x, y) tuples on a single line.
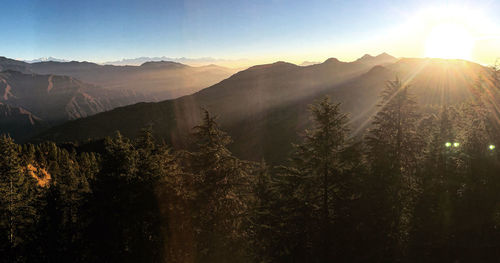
[(432, 225), (318, 159), (393, 153), (265, 220), (477, 195), (222, 186), (176, 196), (110, 231), (125, 196), (147, 236), (315, 192), (17, 213)]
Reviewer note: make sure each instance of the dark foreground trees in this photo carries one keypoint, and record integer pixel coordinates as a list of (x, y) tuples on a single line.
[(417, 188), (305, 208)]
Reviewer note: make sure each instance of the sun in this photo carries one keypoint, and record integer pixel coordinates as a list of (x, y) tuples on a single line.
[(451, 41)]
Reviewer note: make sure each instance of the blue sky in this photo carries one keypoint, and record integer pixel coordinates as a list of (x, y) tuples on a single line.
[(105, 30)]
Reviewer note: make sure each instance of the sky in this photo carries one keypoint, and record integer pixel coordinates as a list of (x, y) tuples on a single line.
[(257, 31)]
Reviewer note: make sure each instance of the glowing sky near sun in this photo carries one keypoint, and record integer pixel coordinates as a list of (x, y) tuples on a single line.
[(259, 31)]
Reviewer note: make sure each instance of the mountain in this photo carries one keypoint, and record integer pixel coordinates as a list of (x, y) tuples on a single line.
[(156, 80), (54, 91), (265, 107), (55, 98), (16, 65), (28, 100), (242, 96), (18, 122), (381, 59)]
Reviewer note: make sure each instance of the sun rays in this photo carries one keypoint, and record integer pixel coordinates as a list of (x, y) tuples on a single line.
[(440, 83)]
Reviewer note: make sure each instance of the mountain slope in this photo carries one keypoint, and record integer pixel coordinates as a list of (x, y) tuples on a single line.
[(56, 98), (18, 122), (30, 99), (265, 107), (11, 64), (246, 93)]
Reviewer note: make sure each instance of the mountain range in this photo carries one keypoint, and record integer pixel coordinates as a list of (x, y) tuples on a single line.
[(35, 102), (157, 81), (52, 92), (265, 107), (260, 87), (203, 61)]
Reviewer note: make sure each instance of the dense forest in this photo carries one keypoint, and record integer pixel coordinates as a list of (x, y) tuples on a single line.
[(421, 185)]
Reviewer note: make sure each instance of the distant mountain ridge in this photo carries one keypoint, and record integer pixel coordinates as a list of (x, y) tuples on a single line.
[(380, 59), (309, 63), (46, 59), (188, 61)]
